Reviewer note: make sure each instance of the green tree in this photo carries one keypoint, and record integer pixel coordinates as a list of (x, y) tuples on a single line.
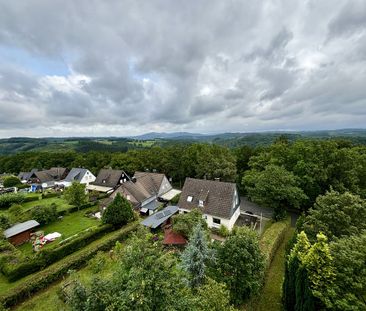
[(336, 215), (349, 255), (45, 214), (274, 187), (196, 256), (213, 296), (15, 213), (119, 212), (75, 194), (240, 265), (4, 222), (185, 223), (11, 181)]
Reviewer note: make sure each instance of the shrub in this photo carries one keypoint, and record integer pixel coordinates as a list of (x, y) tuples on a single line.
[(42, 279), (224, 231), (23, 186), (11, 181), (175, 200), (50, 195), (75, 194), (272, 238), (45, 214), (31, 198), (15, 211), (184, 223), (119, 212), (97, 263), (4, 222), (8, 199)]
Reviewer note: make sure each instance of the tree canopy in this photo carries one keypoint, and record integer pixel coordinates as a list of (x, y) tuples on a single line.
[(119, 212)]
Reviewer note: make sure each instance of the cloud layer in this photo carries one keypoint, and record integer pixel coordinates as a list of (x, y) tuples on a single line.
[(93, 68)]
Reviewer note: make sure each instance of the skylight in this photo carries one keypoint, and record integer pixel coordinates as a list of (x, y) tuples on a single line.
[(189, 198)]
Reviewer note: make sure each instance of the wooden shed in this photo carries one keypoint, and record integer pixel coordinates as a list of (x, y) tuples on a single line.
[(20, 233)]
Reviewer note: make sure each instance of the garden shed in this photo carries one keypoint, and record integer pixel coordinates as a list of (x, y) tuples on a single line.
[(21, 232)]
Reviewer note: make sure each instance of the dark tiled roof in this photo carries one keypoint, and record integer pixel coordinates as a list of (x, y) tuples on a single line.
[(110, 178), (54, 173), (218, 197), (137, 190), (150, 181)]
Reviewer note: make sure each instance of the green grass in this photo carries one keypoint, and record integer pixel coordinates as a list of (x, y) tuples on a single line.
[(68, 226), (271, 294), (60, 203)]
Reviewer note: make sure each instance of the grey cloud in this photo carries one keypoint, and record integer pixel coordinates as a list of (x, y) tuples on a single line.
[(147, 65)]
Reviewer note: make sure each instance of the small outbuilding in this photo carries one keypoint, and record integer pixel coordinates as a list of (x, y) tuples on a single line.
[(156, 220), (21, 232)]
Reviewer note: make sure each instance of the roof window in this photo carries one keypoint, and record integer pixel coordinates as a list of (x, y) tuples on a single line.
[(189, 198)]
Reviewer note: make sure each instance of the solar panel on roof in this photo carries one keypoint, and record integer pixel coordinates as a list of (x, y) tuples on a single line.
[(159, 215), (167, 213)]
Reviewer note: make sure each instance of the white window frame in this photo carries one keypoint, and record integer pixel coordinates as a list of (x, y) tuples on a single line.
[(189, 199)]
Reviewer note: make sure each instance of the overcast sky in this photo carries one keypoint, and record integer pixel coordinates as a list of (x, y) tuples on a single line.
[(101, 68)]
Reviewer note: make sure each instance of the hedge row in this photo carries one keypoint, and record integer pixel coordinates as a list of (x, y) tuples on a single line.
[(272, 239), (31, 198), (48, 256), (51, 274), (7, 199), (50, 195)]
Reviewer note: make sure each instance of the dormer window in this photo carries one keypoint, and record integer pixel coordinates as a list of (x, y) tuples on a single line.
[(103, 181), (200, 203), (189, 198), (128, 197)]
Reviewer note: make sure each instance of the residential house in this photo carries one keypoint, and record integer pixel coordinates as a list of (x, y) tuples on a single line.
[(48, 178), (218, 201), (25, 176), (108, 180), (20, 233), (81, 175), (144, 191)]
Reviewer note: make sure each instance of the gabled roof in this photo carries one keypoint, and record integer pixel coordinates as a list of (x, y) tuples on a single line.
[(137, 190), (157, 219), (54, 173), (26, 175), (217, 197), (76, 174), (19, 228), (110, 178), (150, 181)]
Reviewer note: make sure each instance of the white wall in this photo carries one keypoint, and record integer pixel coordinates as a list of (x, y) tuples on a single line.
[(88, 178), (228, 223)]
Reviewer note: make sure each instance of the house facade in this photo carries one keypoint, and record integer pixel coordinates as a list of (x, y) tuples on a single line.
[(80, 175), (144, 190), (108, 180), (218, 201)]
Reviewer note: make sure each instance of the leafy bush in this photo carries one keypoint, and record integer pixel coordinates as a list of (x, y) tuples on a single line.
[(8, 199), (50, 195), (31, 198), (119, 212), (4, 222), (15, 211), (224, 231), (184, 223), (45, 214), (175, 200), (42, 279), (23, 186), (272, 238), (11, 181), (97, 263)]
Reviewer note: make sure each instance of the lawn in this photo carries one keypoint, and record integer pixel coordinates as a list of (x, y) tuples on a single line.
[(68, 226), (60, 203), (270, 296)]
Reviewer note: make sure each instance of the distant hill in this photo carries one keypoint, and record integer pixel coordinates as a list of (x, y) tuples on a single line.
[(164, 135), (122, 144)]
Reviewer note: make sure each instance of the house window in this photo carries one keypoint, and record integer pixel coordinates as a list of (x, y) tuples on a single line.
[(200, 203), (128, 197), (216, 221), (189, 198)]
